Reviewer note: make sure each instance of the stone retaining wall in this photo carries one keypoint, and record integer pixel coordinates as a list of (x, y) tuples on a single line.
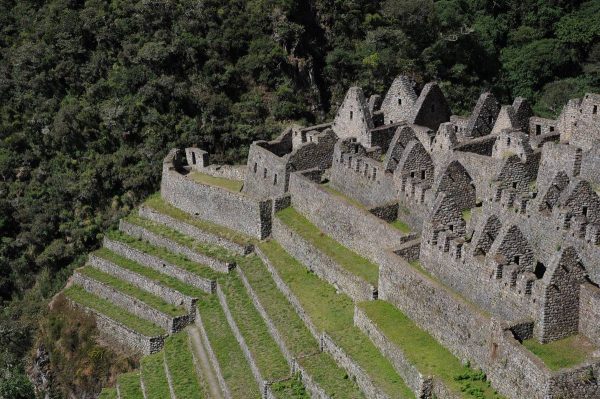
[(112, 329), (354, 370), (160, 241), (192, 231), (170, 295), (236, 211), (161, 266), (321, 264), (130, 304), (262, 383), (211, 356), (421, 385), (289, 295), (315, 391)]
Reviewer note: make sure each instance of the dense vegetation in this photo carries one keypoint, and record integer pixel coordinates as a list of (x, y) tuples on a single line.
[(93, 93)]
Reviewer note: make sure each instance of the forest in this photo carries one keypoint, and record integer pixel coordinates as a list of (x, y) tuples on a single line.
[(94, 93)]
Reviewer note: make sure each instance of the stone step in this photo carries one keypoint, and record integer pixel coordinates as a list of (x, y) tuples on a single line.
[(183, 381), (157, 210), (215, 257), (117, 323), (332, 316), (135, 300), (129, 386), (171, 290), (162, 260)]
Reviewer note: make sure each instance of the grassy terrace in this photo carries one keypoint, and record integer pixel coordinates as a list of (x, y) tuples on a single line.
[(133, 291), (108, 393), (210, 250), (295, 334), (82, 297), (562, 353), (292, 388), (349, 260), (400, 225), (155, 379), (234, 366), (129, 386), (425, 352), (230, 185), (164, 254), (158, 204), (268, 357), (150, 273), (181, 366), (334, 313)]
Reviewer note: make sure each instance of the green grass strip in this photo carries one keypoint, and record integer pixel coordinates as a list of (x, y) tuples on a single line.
[(346, 258), (158, 204), (163, 279), (334, 313), (266, 353), (290, 389), (101, 305), (108, 393), (129, 386), (133, 291), (559, 354), (234, 366), (296, 335), (210, 250), (228, 184), (164, 254), (179, 359), (422, 350), (154, 376), (400, 225)]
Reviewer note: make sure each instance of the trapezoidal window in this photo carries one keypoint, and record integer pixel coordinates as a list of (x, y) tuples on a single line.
[(275, 179), (595, 110), (551, 129), (264, 173), (422, 175), (540, 270), (193, 158), (255, 166), (538, 130), (412, 174), (516, 259), (399, 101), (584, 211), (351, 115), (490, 119)]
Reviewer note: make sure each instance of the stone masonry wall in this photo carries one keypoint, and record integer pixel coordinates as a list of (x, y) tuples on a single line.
[(321, 264), (351, 226), (170, 295), (234, 210), (417, 382), (132, 305), (194, 232), (143, 234), (159, 265), (589, 312), (111, 328)]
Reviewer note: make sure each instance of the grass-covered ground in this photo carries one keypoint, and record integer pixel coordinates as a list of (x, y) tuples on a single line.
[(133, 291), (108, 393), (333, 313), (234, 366), (346, 258), (210, 250), (154, 376), (164, 254), (266, 353), (163, 279), (81, 296), (400, 225), (296, 335), (422, 350), (291, 388), (157, 203), (562, 353), (227, 184), (129, 386), (180, 362)]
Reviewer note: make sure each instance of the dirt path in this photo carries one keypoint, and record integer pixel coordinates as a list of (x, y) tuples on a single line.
[(204, 363)]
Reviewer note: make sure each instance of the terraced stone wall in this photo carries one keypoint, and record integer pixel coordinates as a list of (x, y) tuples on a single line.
[(234, 210), (353, 227), (321, 264)]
